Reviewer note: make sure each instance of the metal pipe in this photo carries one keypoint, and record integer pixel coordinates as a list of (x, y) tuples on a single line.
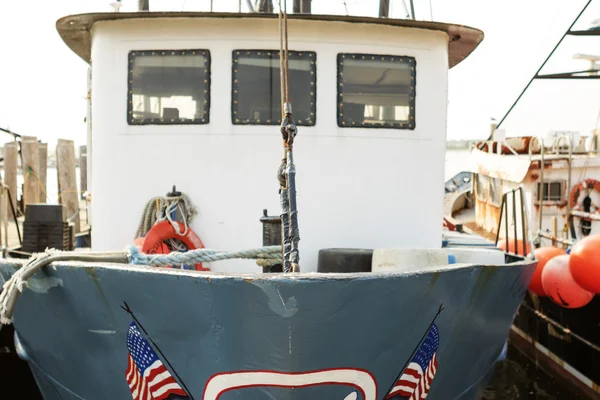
[(506, 220), (583, 214), (530, 240), (514, 197), (523, 232), (143, 5), (557, 144), (541, 195), (500, 220), (412, 9), (384, 8), (302, 6), (568, 242), (10, 132)]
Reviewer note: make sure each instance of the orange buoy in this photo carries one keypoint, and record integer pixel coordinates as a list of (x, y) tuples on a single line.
[(585, 263), (511, 246), (542, 255), (559, 285)]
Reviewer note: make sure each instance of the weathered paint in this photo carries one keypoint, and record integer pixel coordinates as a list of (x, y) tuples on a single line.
[(282, 324)]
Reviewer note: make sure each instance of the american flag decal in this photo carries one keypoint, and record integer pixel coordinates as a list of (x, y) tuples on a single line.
[(417, 377), (147, 377)]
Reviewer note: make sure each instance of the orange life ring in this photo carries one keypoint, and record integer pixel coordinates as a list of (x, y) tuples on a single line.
[(577, 189), (154, 241)]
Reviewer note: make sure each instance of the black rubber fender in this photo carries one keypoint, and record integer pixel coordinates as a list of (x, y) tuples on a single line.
[(345, 260)]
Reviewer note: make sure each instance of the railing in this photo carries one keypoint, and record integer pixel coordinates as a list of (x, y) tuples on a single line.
[(541, 144), (526, 237)]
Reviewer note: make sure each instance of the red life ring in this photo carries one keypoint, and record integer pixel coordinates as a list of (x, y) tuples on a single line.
[(577, 189), (154, 241)]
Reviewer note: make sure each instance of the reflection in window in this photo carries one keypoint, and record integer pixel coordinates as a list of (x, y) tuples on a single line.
[(481, 184), (376, 91), (256, 88), (169, 87)]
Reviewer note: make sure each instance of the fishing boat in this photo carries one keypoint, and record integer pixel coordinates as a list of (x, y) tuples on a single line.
[(558, 174), (212, 145)]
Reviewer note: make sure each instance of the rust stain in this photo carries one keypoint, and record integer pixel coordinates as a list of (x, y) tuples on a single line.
[(248, 280)]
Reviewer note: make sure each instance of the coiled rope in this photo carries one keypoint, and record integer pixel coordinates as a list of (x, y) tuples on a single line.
[(13, 288)]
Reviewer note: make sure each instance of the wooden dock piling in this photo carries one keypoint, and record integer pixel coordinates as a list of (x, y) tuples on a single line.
[(43, 167), (83, 169), (30, 169), (67, 181), (11, 165)]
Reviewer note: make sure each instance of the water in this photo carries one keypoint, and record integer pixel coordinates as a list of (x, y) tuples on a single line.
[(519, 377)]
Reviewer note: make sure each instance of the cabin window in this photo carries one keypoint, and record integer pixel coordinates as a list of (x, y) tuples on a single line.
[(257, 91), (169, 87), (496, 191), (481, 184), (376, 91), (553, 191)]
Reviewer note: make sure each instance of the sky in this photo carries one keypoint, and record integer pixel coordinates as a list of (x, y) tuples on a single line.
[(43, 84)]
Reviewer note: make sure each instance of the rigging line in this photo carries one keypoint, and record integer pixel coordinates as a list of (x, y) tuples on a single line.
[(281, 73), (287, 64), (345, 6), (431, 10), (405, 8), (542, 66), (10, 132)]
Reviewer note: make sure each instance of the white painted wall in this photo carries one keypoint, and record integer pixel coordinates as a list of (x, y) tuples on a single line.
[(583, 168), (362, 188)]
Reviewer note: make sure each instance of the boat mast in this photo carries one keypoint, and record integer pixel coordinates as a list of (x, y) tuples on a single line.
[(384, 9), (264, 6), (143, 5), (302, 6)]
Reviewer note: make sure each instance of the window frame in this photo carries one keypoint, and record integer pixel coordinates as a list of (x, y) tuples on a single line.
[(171, 121), (311, 56), (408, 125), (563, 197)]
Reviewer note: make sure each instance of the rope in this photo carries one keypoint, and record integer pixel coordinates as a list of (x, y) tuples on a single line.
[(30, 171), (270, 255), (12, 289), (287, 171), (160, 208)]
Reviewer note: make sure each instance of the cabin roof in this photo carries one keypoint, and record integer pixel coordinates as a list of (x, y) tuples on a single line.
[(75, 30)]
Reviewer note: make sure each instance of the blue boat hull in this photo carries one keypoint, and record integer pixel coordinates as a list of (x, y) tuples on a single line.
[(275, 336)]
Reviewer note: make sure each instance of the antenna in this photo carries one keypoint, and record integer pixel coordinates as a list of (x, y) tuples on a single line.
[(143, 5), (384, 8)]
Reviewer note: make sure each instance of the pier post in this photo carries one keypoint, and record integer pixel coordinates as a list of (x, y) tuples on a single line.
[(11, 164), (67, 181), (83, 169), (43, 166), (30, 168)]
